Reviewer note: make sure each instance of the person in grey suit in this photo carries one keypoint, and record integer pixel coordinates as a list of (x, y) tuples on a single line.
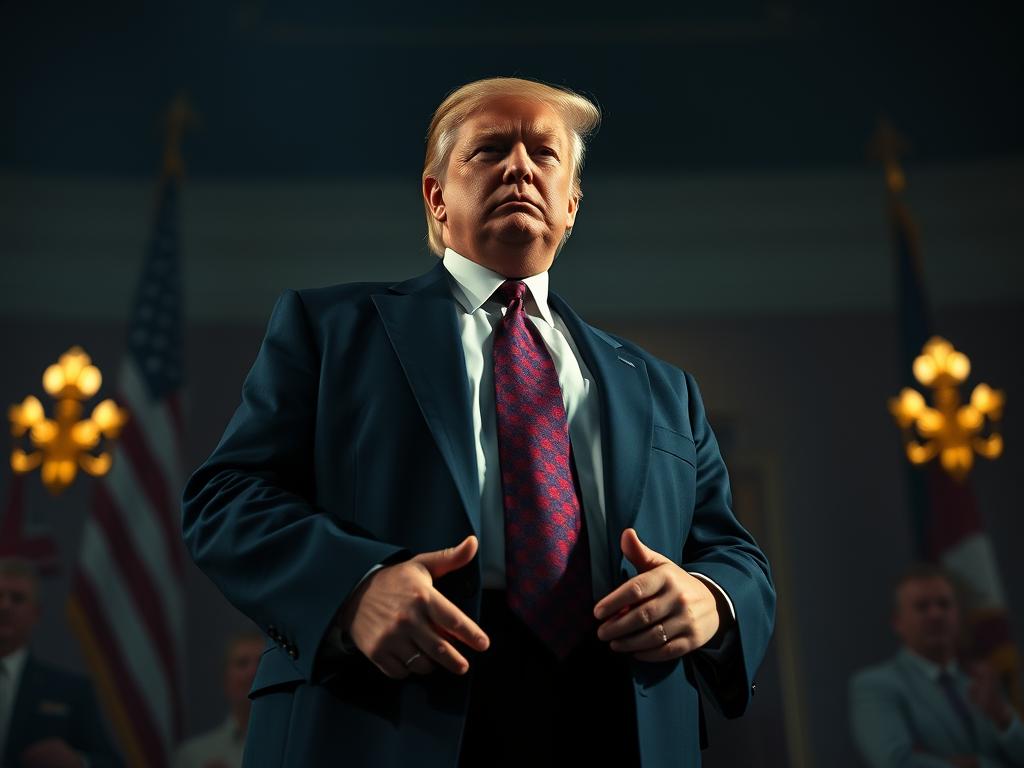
[(920, 709)]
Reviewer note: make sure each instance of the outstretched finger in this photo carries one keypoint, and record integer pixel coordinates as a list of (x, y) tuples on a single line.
[(641, 587), (440, 651), (637, 618), (452, 621)]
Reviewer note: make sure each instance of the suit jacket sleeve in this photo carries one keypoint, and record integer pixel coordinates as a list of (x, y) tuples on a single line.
[(249, 517), (721, 549)]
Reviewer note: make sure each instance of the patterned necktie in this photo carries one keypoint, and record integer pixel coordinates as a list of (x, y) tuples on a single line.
[(547, 560)]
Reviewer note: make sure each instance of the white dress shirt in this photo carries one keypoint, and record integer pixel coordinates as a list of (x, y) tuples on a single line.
[(473, 285)]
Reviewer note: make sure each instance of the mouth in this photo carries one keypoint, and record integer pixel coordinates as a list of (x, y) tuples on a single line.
[(517, 205)]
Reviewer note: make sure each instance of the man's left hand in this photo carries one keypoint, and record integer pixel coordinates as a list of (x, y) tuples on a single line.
[(662, 613), (986, 694)]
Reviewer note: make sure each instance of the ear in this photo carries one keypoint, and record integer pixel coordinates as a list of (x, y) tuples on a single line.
[(574, 206), (434, 197)]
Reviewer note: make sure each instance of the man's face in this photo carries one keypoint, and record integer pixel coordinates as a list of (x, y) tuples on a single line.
[(19, 611), (513, 149), (926, 617), (243, 658)]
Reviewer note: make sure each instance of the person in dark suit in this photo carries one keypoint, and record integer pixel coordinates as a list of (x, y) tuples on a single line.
[(48, 716), (475, 529)]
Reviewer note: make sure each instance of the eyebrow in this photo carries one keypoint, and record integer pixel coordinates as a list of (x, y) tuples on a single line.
[(503, 132)]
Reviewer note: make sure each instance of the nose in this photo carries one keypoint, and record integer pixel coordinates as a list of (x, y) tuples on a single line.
[(517, 166)]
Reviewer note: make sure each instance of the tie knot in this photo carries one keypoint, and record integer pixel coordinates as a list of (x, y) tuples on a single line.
[(509, 291)]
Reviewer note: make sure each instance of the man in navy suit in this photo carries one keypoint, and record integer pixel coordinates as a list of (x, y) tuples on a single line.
[(48, 716), (365, 506)]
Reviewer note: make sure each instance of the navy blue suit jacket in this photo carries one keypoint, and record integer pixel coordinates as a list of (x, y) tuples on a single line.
[(353, 446), (52, 703)]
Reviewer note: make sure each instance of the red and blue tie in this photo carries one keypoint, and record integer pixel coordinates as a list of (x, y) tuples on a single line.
[(547, 559)]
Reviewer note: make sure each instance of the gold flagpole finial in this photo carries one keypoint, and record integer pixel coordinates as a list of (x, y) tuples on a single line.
[(180, 117), (886, 147)]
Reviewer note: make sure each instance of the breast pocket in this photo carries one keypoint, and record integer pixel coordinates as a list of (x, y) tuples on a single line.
[(675, 443), (671, 483)]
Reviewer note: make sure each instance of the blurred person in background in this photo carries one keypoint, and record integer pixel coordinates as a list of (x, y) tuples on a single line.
[(222, 747), (48, 716), (920, 709)]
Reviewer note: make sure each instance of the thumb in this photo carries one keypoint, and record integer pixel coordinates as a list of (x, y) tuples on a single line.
[(638, 553), (443, 561)]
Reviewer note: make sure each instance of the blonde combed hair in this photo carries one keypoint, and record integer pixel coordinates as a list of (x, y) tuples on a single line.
[(580, 115)]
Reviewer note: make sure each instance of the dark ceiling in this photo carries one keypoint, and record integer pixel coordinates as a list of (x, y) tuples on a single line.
[(328, 89)]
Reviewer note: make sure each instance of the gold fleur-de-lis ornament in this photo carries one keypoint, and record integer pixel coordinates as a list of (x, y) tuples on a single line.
[(65, 443), (951, 430)]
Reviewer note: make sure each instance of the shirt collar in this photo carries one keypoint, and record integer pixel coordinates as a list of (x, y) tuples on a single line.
[(474, 284), (930, 669), (14, 662), (232, 730)]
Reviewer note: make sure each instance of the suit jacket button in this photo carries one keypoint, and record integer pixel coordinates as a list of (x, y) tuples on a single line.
[(753, 688), (293, 652)]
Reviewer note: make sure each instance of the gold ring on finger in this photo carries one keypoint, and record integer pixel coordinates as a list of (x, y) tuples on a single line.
[(664, 636)]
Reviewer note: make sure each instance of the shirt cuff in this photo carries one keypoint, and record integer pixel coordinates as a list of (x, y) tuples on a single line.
[(712, 583), (719, 647)]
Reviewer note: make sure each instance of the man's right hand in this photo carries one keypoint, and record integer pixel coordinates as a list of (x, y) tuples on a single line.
[(396, 615)]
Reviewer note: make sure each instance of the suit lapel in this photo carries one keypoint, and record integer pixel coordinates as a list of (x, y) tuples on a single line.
[(419, 318), (624, 391), (21, 709)]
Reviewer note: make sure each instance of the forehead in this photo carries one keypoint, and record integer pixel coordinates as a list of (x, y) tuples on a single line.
[(925, 589), (510, 116)]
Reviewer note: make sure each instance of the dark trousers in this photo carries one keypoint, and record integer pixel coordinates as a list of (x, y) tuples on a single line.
[(526, 707)]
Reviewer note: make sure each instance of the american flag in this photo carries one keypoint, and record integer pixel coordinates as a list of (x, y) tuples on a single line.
[(126, 604)]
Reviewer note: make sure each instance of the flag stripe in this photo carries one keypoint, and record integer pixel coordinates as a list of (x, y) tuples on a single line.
[(974, 560), (82, 625), (154, 493), (155, 420), (136, 577), (953, 513), (174, 414), (139, 518), (130, 639), (144, 729)]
